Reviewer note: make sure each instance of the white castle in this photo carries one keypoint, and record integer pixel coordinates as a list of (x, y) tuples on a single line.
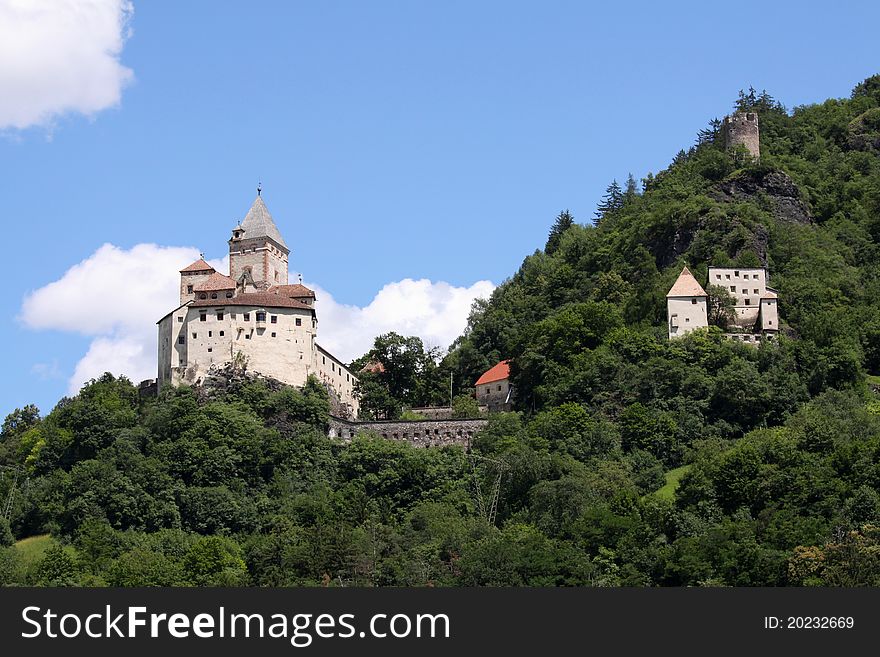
[(756, 313), (251, 318)]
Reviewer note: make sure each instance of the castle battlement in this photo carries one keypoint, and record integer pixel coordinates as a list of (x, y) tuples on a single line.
[(742, 129)]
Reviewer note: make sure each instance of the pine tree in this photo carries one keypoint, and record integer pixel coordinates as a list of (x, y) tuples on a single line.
[(710, 134), (563, 222), (612, 201), (631, 190)]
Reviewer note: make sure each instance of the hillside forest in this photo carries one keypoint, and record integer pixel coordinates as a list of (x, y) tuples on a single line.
[(629, 459)]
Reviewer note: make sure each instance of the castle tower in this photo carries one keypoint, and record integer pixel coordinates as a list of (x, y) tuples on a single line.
[(256, 246), (191, 277), (686, 305), (742, 128)]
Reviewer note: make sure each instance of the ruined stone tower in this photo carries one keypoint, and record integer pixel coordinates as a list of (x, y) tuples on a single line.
[(742, 128)]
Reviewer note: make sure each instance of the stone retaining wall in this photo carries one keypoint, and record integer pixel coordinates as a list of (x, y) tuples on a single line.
[(421, 433)]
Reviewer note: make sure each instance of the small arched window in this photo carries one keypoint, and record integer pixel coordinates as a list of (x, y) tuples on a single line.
[(213, 295), (203, 296)]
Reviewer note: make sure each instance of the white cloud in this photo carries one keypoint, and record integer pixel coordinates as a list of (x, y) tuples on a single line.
[(60, 56), (115, 296), (436, 312)]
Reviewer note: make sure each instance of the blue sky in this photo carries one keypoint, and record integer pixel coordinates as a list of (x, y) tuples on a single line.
[(394, 140)]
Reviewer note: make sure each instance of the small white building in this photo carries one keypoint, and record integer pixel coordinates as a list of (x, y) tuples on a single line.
[(755, 303), (686, 305), (493, 388), (251, 318)]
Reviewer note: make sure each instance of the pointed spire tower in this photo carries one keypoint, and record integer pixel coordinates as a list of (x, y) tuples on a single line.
[(686, 305), (257, 250)]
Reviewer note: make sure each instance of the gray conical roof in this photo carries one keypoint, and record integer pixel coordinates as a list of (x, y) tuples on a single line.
[(258, 223)]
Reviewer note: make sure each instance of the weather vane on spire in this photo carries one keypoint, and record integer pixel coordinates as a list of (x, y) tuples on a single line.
[(259, 187)]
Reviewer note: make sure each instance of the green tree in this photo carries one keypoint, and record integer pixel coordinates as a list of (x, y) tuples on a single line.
[(465, 406), (56, 568), (612, 201), (564, 221), (721, 307)]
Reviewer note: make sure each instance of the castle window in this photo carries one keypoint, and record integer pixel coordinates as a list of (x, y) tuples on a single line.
[(261, 317), (231, 315), (203, 317), (499, 388), (247, 317), (299, 321), (323, 360), (755, 291), (203, 296), (733, 288), (746, 276), (229, 295), (181, 339), (770, 322), (736, 273), (180, 318), (213, 295), (195, 335), (274, 319), (693, 301), (718, 276), (219, 316), (745, 291), (748, 302), (210, 350), (273, 334), (189, 289), (687, 319), (210, 333), (727, 276), (221, 334), (247, 336)]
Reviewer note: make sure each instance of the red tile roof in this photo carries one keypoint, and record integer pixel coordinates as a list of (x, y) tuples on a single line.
[(373, 366), (500, 372), (256, 299), (686, 286), (295, 291), (215, 281), (198, 265)]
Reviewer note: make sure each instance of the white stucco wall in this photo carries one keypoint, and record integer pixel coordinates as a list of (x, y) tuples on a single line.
[(769, 315), (746, 285), (276, 347), (685, 314)]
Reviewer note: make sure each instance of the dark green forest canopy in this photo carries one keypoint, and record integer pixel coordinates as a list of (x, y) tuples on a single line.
[(775, 450)]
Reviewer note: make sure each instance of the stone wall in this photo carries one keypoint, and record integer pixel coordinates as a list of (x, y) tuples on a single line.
[(421, 433), (742, 128)]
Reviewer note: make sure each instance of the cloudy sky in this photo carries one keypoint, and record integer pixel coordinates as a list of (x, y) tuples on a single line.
[(411, 153)]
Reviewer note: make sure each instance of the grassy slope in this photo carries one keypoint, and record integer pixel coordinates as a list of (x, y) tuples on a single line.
[(672, 479)]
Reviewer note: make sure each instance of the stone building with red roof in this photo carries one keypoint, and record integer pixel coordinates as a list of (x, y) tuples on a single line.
[(493, 388), (252, 317)]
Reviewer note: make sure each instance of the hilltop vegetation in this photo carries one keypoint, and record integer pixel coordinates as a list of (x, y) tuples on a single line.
[(775, 450)]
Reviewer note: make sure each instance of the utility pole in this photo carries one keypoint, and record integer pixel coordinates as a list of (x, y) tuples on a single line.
[(450, 390)]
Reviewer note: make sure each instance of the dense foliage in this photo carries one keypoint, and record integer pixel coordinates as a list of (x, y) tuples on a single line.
[(631, 460)]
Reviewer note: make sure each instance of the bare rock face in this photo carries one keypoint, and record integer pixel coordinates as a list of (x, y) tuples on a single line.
[(776, 187)]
